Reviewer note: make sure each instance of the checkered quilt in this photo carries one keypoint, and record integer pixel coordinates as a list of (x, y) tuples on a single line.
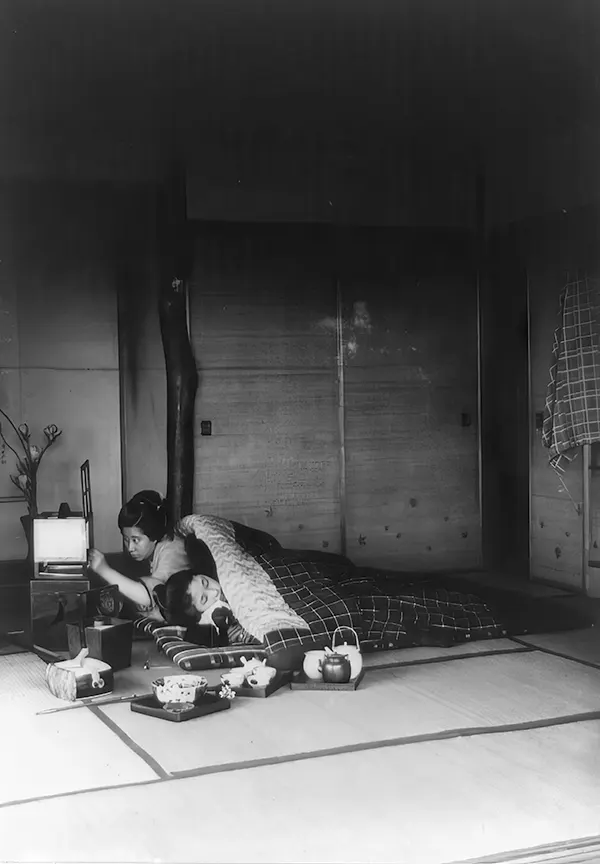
[(396, 611), (572, 414), (384, 611)]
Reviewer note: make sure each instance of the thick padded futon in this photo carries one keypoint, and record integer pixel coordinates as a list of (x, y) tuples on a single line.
[(286, 602)]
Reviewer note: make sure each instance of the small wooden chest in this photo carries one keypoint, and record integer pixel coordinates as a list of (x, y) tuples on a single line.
[(53, 602), (109, 641)]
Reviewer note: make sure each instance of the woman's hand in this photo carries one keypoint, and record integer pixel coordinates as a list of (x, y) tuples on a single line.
[(133, 590), (96, 561)]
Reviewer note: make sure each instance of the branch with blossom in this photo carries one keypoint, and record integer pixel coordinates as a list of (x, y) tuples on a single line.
[(29, 462)]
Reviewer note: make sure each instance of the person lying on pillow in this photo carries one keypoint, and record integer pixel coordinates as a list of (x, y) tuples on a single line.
[(197, 602)]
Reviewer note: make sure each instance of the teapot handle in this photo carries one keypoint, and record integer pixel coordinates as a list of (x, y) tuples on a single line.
[(344, 628)]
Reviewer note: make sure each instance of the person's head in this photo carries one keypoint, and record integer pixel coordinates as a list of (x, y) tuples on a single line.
[(187, 595), (143, 521)]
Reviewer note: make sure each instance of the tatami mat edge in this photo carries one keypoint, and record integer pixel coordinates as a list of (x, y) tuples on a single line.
[(580, 851)]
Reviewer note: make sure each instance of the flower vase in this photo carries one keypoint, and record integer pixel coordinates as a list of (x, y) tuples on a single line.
[(27, 523)]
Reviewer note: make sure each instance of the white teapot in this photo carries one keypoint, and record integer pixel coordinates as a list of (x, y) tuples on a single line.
[(351, 652)]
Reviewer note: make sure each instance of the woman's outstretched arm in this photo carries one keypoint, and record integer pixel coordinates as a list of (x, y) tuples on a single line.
[(129, 588)]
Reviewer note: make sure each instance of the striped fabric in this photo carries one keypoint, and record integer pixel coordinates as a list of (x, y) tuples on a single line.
[(171, 641), (572, 412)]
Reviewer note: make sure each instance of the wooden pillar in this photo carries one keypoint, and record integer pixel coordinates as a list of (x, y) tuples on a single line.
[(175, 252)]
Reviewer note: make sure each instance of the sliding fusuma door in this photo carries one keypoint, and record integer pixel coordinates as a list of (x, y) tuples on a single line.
[(409, 313), (338, 371), (263, 308)]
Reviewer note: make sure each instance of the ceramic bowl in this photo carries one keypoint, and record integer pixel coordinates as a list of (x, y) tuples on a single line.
[(179, 688)]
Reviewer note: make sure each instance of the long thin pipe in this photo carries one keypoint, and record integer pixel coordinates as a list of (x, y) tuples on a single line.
[(530, 427), (480, 418), (341, 412), (481, 245)]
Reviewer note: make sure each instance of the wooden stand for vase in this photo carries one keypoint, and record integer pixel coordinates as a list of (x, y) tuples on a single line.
[(27, 523)]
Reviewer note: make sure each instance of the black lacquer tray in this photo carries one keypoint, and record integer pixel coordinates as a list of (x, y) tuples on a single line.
[(177, 713)]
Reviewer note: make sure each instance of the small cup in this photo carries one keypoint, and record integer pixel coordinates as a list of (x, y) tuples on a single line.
[(234, 677), (262, 676)]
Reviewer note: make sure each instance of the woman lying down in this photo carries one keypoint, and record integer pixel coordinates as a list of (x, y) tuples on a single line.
[(191, 600), (197, 602), (185, 592)]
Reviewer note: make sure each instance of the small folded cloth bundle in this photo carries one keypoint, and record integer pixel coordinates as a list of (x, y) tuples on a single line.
[(79, 678)]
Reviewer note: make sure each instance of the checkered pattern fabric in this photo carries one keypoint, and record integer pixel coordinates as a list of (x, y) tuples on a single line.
[(572, 413), (417, 612), (254, 600), (385, 610), (310, 592)]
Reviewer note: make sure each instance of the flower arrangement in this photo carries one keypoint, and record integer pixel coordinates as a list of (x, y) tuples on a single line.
[(227, 692), (27, 464)]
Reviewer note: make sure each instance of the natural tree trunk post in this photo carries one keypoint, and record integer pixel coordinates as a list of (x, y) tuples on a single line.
[(182, 379)]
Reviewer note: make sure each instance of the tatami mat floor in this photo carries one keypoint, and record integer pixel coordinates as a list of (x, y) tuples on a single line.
[(442, 755), (390, 706), (423, 804)]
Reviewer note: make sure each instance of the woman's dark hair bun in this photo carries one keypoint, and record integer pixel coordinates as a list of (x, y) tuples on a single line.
[(149, 497), (146, 510)]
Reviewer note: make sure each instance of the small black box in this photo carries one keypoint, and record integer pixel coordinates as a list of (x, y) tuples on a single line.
[(110, 641)]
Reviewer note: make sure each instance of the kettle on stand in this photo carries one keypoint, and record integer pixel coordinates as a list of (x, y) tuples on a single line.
[(350, 652)]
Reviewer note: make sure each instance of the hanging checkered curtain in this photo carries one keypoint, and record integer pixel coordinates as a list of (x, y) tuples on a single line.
[(572, 415)]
